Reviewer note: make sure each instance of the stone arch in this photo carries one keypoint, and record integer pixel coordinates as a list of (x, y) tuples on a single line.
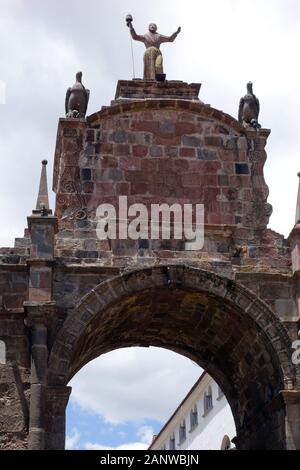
[(198, 108), (211, 319)]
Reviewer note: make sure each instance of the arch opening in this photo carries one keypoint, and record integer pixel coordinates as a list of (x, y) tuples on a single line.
[(140, 397), (213, 321)]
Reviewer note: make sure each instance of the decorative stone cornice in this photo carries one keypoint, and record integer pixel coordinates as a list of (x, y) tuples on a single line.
[(39, 313)]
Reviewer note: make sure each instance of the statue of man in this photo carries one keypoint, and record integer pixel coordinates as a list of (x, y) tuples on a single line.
[(153, 61)]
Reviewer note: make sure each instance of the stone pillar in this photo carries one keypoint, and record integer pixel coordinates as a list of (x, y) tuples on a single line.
[(291, 399), (55, 426), (40, 309), (276, 427), (38, 319)]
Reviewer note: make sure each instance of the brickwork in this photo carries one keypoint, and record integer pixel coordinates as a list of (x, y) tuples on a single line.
[(233, 307)]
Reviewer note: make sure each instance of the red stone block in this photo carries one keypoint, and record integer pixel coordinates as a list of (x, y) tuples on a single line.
[(122, 188), (173, 180), (187, 152), (70, 145), (181, 165), (140, 150), (104, 189), (122, 150), (108, 161), (148, 164), (213, 141), (135, 176), (160, 189), (46, 279), (139, 188), (185, 128), (166, 139), (130, 163), (228, 155), (211, 194), (193, 194), (164, 164), (214, 218), (71, 158), (211, 167), (210, 180), (90, 135), (104, 148), (240, 181), (191, 179), (146, 126), (227, 168)]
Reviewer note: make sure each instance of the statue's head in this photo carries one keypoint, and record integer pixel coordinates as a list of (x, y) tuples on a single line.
[(79, 76), (152, 28), (250, 87)]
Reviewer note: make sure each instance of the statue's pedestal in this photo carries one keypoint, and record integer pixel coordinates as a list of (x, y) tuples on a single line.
[(133, 90)]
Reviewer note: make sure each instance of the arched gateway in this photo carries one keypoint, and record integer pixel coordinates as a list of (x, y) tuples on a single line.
[(232, 306), (212, 320)]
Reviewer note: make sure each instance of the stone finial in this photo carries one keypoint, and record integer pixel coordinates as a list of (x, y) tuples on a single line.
[(42, 203), (297, 219)]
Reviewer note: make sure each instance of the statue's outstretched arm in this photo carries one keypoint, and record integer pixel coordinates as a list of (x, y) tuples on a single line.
[(136, 37), (170, 38)]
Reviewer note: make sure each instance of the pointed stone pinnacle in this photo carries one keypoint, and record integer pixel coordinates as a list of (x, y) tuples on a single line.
[(42, 203), (297, 220)]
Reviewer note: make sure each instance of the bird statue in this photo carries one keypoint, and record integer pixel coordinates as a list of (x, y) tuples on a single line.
[(249, 109), (77, 98)]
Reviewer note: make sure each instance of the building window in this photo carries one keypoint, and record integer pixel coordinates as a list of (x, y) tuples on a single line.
[(182, 432), (226, 444), (208, 401), (220, 393), (194, 417), (2, 352), (163, 447), (172, 442)]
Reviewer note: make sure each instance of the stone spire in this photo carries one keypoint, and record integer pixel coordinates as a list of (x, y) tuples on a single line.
[(42, 203), (297, 220)]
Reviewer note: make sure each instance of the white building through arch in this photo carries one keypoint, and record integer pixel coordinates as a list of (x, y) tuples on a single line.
[(202, 421)]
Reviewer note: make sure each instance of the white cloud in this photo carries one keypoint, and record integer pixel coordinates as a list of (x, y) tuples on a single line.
[(130, 446), (134, 384), (72, 440), (145, 433)]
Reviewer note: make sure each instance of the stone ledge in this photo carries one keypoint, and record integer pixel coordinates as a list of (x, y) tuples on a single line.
[(145, 89)]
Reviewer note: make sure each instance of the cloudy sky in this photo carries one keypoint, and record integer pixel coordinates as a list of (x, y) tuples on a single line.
[(223, 45)]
